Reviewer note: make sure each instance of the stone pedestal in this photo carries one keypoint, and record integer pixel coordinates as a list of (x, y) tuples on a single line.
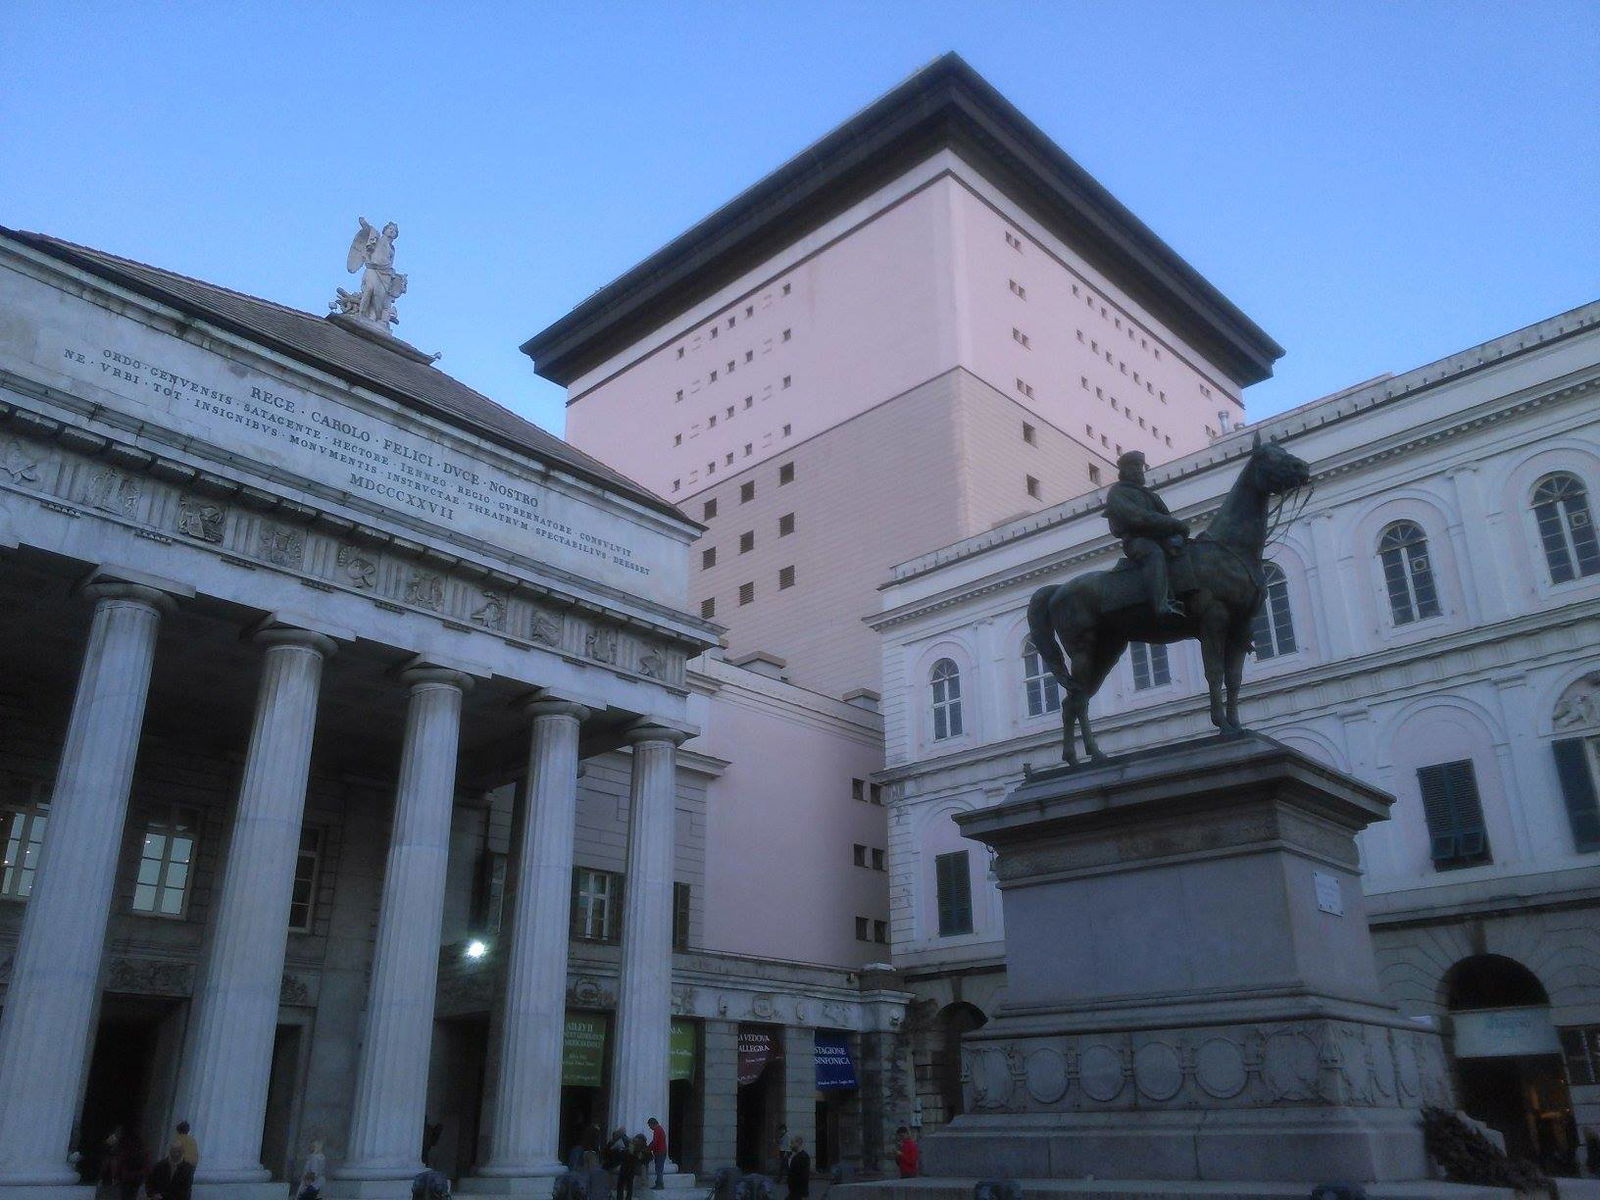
[(1191, 990)]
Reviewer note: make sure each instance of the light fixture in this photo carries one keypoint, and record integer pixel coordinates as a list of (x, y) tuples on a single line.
[(476, 949)]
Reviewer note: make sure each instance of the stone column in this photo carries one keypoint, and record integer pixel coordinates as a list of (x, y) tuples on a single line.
[(49, 1006), (222, 1092), (527, 1113), (644, 993), (719, 1095), (392, 1079)]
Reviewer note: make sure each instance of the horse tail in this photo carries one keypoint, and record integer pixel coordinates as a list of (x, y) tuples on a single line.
[(1042, 630)]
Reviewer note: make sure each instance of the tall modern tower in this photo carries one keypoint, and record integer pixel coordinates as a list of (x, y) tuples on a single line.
[(929, 322)]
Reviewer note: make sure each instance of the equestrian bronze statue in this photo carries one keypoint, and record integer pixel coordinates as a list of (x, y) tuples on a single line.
[(1169, 588)]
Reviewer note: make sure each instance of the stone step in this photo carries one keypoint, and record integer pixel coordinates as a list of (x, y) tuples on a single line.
[(928, 1188)]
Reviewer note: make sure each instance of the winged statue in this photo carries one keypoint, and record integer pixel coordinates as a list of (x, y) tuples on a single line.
[(372, 253)]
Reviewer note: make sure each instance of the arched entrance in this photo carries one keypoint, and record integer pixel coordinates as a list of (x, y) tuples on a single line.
[(938, 1061), (1509, 1070)]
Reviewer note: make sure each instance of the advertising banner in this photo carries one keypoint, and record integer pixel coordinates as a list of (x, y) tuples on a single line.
[(583, 1050), (834, 1068)]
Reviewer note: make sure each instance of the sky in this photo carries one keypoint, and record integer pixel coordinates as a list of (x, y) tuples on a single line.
[(1377, 185)]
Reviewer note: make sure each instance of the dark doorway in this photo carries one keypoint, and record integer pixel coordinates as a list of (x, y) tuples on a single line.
[(282, 1091), (953, 1021), (758, 1130), (583, 1111), (455, 1087), (131, 1072)]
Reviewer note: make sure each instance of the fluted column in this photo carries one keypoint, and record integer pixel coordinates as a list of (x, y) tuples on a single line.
[(644, 994), (222, 1091), (45, 1030), (527, 1113), (392, 1079)]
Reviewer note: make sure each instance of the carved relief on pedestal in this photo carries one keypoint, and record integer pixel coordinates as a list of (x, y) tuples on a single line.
[(425, 589), (361, 571), (1100, 1072), (1291, 1065), (491, 614), (544, 627), (201, 519), (1219, 1068), (19, 462), (112, 491), (989, 1074), (600, 644), (1046, 1075), (283, 547)]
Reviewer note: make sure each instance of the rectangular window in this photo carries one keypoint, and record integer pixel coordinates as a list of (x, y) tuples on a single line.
[(786, 289), (165, 859), (1150, 666), (786, 525), (1013, 240), (680, 909), (1025, 388), (708, 558), (1032, 485), (749, 400), (1094, 474), (727, 459), (747, 492), (708, 607), (747, 594), (1580, 1046), (880, 932), (785, 578), (749, 356), (1021, 339), (1450, 804), (862, 929), (1018, 290), (596, 905), (676, 484), (713, 377), (787, 334), (787, 380), (953, 883), (1578, 770), (713, 331), (711, 421), (24, 827), (786, 474), (709, 511), (1030, 434), (677, 439), (860, 854), (858, 789), (877, 859), (787, 430), (875, 793), (303, 895), (747, 541)]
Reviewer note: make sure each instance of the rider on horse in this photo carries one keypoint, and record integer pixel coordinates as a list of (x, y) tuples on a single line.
[(1139, 517)]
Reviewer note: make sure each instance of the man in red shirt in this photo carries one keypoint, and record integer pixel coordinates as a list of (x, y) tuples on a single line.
[(658, 1149), (906, 1156)]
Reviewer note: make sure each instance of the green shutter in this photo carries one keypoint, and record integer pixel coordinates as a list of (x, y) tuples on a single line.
[(955, 893), (1454, 814), (1577, 785)]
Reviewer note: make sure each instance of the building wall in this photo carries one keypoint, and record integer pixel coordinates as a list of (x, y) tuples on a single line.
[(782, 820), (1456, 446)]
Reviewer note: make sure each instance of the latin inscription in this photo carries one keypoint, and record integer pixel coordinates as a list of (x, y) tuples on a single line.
[(368, 458)]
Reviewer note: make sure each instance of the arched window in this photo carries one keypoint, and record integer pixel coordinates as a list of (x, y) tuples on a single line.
[(945, 679), (1407, 573), (1273, 628), (1044, 693), (1561, 506)]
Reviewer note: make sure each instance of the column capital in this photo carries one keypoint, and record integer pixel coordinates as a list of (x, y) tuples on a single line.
[(421, 673), (646, 730), (270, 633), (100, 588), (545, 705), (107, 581)]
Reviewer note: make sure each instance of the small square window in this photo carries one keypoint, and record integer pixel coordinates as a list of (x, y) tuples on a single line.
[(748, 449), (1094, 473), (680, 394), (747, 491), (677, 439), (786, 474), (875, 793), (680, 355), (749, 310), (861, 929), (747, 593), (1020, 338), (731, 321), (787, 334), (747, 541), (877, 859), (749, 400), (711, 468), (711, 421), (676, 484), (880, 932), (749, 356), (713, 331), (708, 607), (1033, 487), (731, 365), (785, 578), (786, 289), (787, 380), (727, 459), (786, 525), (709, 511), (860, 853), (858, 789), (1018, 290), (713, 378), (708, 558), (1030, 434), (787, 430)]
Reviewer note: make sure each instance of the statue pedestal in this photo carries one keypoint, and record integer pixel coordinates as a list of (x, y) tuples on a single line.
[(1191, 990)]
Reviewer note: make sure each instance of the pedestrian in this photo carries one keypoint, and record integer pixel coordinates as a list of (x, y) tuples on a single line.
[(658, 1150), (316, 1164), (310, 1188), (907, 1157), (170, 1179), (430, 1185), (107, 1166), (596, 1183), (633, 1159), (799, 1174), (131, 1166), (191, 1148)]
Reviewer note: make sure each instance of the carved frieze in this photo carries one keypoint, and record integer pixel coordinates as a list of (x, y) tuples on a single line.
[(201, 519), (282, 546), (112, 491), (150, 976), (654, 664), (600, 644), (294, 991), (19, 462), (359, 570), (491, 614), (425, 589), (545, 628), (763, 1006), (1579, 706), (587, 992)]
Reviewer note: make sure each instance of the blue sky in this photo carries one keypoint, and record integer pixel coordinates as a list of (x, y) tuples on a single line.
[(1377, 185)]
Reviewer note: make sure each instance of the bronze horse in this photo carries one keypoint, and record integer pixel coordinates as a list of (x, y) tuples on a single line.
[(1218, 579)]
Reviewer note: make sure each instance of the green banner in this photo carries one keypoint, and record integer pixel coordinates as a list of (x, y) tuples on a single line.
[(680, 1055), (583, 1050)]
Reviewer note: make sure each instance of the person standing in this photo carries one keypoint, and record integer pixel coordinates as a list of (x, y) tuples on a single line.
[(798, 1175), (171, 1177), (132, 1165), (635, 1154), (658, 1150), (906, 1157)]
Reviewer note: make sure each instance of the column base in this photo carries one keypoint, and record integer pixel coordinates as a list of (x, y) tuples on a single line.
[(268, 1190), (48, 1191), (520, 1181)]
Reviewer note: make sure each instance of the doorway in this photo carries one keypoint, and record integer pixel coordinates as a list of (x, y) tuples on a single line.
[(132, 1073)]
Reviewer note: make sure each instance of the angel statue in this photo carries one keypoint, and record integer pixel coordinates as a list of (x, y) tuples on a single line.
[(381, 284)]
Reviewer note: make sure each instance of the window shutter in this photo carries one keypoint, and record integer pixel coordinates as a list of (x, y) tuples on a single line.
[(614, 909), (1583, 810), (574, 912), (1454, 814), (955, 894)]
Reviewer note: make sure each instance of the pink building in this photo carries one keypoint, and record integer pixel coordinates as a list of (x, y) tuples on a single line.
[(930, 322)]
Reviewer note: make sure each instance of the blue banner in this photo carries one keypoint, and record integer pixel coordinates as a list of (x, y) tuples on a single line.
[(834, 1068)]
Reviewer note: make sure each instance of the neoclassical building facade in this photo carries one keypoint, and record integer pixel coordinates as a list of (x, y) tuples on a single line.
[(344, 800), (1431, 626)]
